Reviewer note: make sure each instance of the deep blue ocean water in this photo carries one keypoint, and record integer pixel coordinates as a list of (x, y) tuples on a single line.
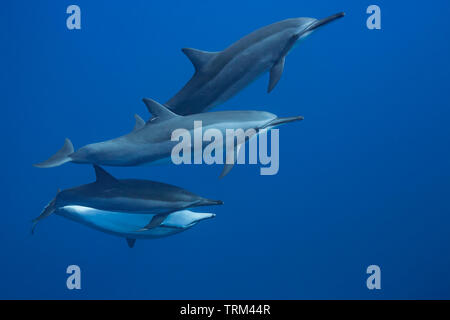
[(364, 179)]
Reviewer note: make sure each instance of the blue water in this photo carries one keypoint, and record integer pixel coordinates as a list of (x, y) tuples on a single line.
[(364, 179)]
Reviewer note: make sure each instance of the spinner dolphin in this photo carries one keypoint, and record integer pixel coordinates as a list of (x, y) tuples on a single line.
[(126, 225), (220, 75), (151, 141), (155, 201)]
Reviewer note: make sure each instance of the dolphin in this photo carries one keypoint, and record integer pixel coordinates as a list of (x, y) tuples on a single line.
[(220, 75), (127, 225), (108, 194), (151, 141)]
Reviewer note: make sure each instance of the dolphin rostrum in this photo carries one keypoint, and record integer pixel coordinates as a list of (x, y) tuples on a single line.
[(152, 142), (220, 75), (108, 194)]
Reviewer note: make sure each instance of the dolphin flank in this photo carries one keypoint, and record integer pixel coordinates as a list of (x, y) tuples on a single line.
[(220, 75)]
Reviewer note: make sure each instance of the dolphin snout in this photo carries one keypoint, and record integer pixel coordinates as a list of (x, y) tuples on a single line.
[(324, 21), (210, 202), (205, 216), (280, 120)]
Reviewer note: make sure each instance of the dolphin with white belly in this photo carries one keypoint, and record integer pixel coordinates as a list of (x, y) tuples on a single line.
[(127, 225), (151, 141), (155, 201), (220, 75)]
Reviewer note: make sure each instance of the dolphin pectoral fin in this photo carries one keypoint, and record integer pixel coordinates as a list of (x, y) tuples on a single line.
[(140, 123), (230, 160), (131, 242), (226, 169), (198, 57), (155, 222), (275, 74), (59, 158)]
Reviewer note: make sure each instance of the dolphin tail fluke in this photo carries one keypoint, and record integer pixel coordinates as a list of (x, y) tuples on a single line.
[(59, 158), (48, 210)]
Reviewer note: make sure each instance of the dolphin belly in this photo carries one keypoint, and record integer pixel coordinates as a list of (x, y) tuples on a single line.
[(128, 224), (250, 65), (241, 71), (249, 77)]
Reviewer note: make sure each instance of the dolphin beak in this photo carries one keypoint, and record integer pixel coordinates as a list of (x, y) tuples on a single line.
[(277, 121), (322, 22), (204, 216), (209, 202), (210, 216)]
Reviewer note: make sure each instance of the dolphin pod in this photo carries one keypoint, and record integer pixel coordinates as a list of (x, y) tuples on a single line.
[(220, 75), (142, 209), (105, 203)]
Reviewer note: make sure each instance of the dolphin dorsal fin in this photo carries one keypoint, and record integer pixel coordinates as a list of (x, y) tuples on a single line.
[(131, 242), (102, 176), (158, 110), (140, 123), (198, 57)]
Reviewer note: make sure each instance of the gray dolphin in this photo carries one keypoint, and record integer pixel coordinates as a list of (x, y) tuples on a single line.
[(220, 75), (108, 194), (151, 142)]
